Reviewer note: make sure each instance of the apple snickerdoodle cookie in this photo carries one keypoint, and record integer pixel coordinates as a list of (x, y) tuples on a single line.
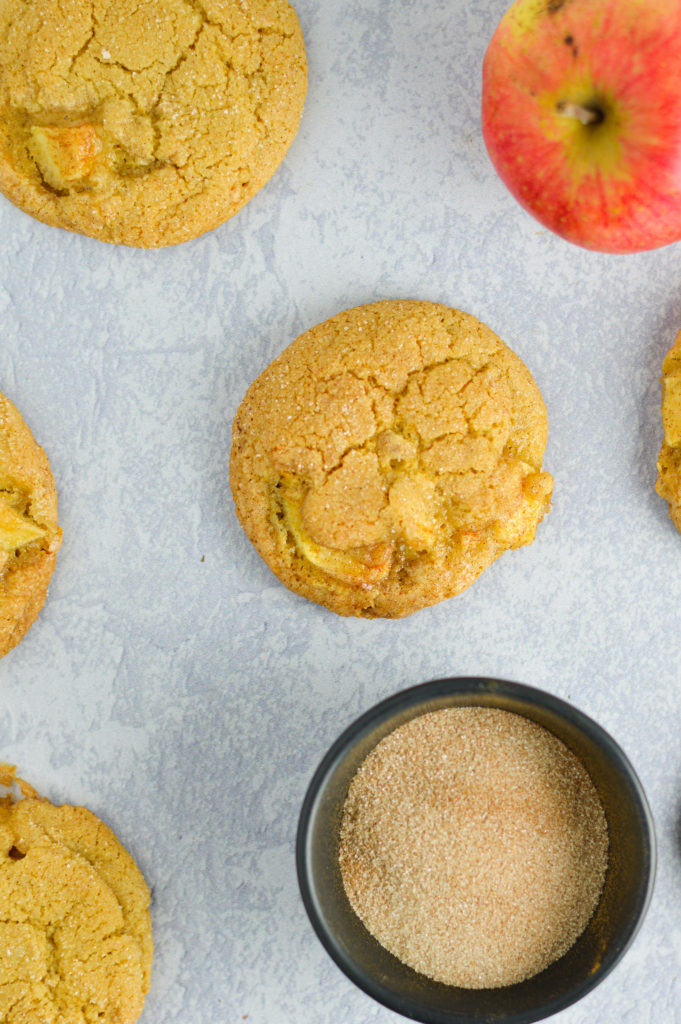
[(75, 928), (388, 456), (29, 534), (145, 124), (668, 483)]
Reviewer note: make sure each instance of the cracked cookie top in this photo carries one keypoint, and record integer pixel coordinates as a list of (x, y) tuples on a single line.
[(29, 534), (75, 928), (388, 456), (145, 122)]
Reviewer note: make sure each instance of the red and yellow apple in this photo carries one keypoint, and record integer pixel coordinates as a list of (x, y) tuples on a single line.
[(581, 116)]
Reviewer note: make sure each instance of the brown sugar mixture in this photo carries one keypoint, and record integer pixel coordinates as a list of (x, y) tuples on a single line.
[(473, 846)]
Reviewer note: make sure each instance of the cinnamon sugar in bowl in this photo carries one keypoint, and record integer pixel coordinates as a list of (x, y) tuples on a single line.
[(473, 850)]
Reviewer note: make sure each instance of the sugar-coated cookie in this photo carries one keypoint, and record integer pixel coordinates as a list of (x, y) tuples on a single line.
[(145, 124), (668, 484), (29, 534), (388, 456), (75, 928)]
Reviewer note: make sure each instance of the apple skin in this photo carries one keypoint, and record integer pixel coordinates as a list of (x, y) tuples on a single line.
[(613, 185)]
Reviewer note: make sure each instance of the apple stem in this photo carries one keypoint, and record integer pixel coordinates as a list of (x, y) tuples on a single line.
[(586, 115)]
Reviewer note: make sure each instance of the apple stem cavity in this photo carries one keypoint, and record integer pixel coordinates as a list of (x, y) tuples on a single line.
[(585, 115)]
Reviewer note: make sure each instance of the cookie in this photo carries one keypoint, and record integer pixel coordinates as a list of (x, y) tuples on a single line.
[(145, 124), (668, 484), (75, 928), (388, 456), (29, 534)]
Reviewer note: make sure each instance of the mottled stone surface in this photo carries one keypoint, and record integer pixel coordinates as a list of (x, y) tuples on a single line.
[(171, 684)]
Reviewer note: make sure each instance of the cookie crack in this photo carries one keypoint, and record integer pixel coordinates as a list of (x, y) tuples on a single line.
[(182, 57), (13, 1005), (401, 424), (53, 966), (79, 53), (153, 113), (203, 14), (191, 49), (445, 362)]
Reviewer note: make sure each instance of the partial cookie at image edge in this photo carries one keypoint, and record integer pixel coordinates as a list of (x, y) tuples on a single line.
[(63, 872), (30, 536), (668, 483)]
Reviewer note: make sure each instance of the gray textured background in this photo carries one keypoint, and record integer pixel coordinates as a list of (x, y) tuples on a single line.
[(171, 684)]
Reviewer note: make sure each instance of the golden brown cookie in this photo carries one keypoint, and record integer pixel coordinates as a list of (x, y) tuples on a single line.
[(145, 124), (388, 456), (29, 534), (75, 928), (668, 484)]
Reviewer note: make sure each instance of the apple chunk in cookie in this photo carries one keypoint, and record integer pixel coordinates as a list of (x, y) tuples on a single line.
[(388, 456), (581, 115), (65, 155), (29, 533), (16, 532)]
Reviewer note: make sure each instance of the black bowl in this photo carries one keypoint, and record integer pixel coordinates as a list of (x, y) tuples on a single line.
[(624, 901)]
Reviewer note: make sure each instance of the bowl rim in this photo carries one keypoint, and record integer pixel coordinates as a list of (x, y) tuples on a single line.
[(413, 696)]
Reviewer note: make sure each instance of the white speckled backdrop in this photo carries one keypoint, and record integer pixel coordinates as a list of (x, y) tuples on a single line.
[(171, 684)]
